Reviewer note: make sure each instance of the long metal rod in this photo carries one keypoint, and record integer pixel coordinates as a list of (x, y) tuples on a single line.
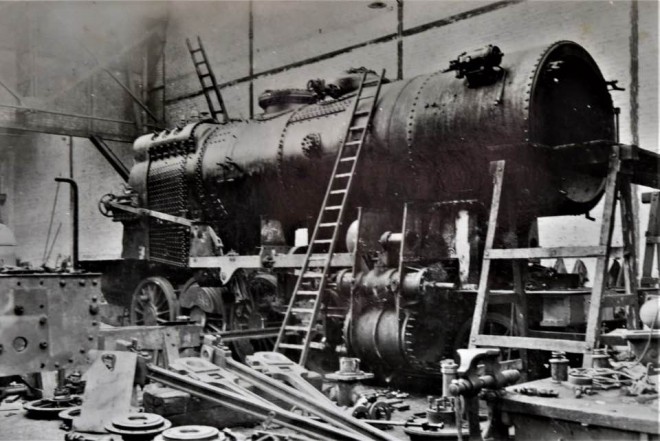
[(152, 213), (121, 84), (307, 426), (131, 94), (252, 334), (318, 405), (11, 91), (73, 115), (74, 203), (111, 157), (50, 222)]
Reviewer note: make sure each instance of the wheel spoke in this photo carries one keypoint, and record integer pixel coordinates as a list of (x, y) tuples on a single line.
[(162, 302)]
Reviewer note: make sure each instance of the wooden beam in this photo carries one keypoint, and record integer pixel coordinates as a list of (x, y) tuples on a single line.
[(542, 344), (545, 253)]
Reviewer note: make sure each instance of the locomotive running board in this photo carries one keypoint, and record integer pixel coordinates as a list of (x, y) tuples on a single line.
[(228, 265)]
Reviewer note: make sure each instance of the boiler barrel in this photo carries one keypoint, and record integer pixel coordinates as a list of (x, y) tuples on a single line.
[(432, 138)]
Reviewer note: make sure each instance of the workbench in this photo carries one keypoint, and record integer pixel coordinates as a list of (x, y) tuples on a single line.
[(606, 415)]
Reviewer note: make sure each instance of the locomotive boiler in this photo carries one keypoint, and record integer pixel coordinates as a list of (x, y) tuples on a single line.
[(215, 212)]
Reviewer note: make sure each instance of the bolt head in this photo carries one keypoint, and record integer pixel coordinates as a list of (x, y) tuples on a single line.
[(43, 345), (18, 310)]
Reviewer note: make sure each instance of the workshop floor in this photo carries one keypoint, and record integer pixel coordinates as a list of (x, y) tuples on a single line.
[(15, 426)]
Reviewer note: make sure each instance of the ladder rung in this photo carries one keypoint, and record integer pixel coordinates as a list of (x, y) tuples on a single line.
[(314, 275), (295, 328), (333, 208), (356, 128), (370, 83), (194, 51), (199, 63), (349, 143), (361, 113), (348, 158), (303, 310), (317, 258), (328, 224), (291, 346), (342, 175), (307, 293), (338, 191), (323, 241), (366, 97)]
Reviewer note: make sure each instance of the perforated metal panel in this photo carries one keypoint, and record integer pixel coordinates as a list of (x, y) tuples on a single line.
[(167, 193)]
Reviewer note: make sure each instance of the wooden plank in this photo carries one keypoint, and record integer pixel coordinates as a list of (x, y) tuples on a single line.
[(521, 311), (170, 346), (629, 227), (576, 336), (481, 305), (108, 390), (543, 344), (545, 253), (600, 275), (652, 230)]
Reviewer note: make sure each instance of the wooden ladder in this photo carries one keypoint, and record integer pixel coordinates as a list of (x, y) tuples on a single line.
[(617, 184), (302, 312), (206, 75), (652, 246)]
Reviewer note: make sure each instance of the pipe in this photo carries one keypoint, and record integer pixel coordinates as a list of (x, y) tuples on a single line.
[(399, 39), (251, 57), (74, 199), (111, 157)]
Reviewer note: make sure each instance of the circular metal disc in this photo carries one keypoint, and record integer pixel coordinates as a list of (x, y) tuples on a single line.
[(138, 421), (191, 433)]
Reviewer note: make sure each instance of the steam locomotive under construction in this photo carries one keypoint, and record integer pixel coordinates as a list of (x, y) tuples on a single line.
[(355, 210)]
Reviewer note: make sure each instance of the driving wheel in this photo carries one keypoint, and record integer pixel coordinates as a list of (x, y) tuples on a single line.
[(253, 309), (154, 302)]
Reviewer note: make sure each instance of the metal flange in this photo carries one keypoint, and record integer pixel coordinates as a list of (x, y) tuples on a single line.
[(138, 426)]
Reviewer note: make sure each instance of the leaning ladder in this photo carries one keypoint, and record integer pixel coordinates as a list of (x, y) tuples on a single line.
[(617, 184), (303, 310), (206, 75)]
